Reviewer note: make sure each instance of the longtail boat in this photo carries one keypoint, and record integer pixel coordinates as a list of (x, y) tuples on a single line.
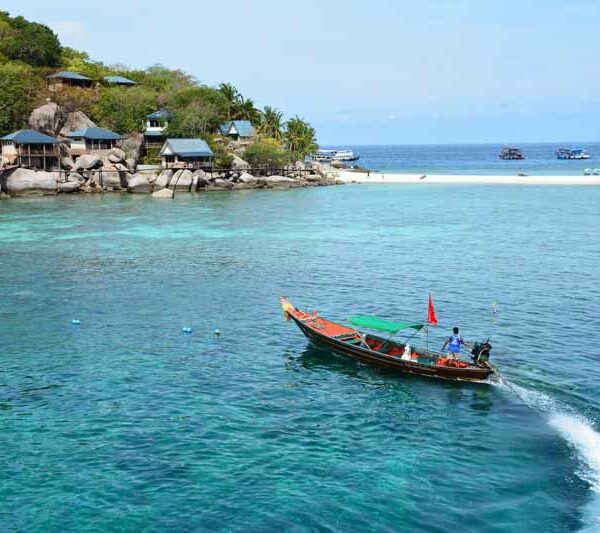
[(379, 351)]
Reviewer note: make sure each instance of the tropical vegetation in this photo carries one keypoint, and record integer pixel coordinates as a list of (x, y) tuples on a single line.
[(29, 52)]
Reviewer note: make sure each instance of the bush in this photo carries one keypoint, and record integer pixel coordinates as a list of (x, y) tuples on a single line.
[(18, 89), (124, 109), (266, 153), (30, 42)]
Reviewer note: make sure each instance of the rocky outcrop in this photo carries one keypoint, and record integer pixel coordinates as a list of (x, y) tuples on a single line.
[(26, 182), (239, 164), (246, 178), (182, 180), (133, 146), (76, 120), (88, 162), (67, 163), (116, 155), (47, 119), (163, 193), (114, 176), (68, 186), (164, 178), (138, 183)]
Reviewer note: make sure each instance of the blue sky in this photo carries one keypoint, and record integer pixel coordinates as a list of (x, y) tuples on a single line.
[(368, 72)]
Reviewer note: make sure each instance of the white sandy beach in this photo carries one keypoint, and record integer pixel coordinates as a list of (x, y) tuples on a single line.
[(376, 177)]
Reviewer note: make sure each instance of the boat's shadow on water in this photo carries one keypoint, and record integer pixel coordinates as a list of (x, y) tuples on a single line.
[(313, 358)]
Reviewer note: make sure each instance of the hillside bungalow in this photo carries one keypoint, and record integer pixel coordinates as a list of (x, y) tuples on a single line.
[(92, 140), (186, 153), (155, 127), (70, 79), (30, 148), (119, 80), (238, 130)]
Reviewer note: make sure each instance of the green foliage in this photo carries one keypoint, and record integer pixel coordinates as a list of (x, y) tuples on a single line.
[(238, 107), (29, 42), (124, 110), (18, 89), (152, 156), (270, 124), (196, 111), (300, 138), (266, 153), (81, 63)]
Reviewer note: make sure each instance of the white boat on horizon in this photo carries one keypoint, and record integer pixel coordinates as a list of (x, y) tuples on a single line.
[(335, 155), (572, 153)]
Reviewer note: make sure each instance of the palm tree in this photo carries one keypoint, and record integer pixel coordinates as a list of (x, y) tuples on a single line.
[(271, 123), (300, 138), (245, 110), (232, 96)]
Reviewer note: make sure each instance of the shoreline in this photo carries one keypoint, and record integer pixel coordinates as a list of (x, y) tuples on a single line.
[(458, 179)]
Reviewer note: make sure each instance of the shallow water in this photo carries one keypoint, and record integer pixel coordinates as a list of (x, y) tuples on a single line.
[(125, 423)]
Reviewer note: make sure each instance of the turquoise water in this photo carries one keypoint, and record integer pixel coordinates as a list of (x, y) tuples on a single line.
[(126, 424)]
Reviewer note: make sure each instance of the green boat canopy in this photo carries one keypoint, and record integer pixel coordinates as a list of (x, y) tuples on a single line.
[(373, 322)]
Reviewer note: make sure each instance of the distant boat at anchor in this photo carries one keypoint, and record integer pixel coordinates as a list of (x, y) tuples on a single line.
[(572, 153), (336, 155), (511, 153)]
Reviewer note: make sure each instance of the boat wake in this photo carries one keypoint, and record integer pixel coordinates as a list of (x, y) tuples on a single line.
[(579, 433)]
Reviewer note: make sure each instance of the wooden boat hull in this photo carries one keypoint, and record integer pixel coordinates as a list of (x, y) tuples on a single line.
[(365, 355)]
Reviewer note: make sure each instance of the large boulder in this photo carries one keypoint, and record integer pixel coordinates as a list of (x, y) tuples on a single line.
[(116, 155), (239, 164), (133, 146), (247, 178), (182, 180), (223, 184), (76, 120), (47, 119), (163, 193), (69, 186), (114, 177), (24, 182), (164, 178), (88, 162), (67, 163), (131, 164), (138, 183)]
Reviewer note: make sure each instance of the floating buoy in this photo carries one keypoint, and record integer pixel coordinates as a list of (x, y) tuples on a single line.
[(217, 332), (186, 330), (76, 322)]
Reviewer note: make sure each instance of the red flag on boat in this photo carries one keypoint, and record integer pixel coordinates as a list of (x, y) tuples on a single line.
[(431, 318)]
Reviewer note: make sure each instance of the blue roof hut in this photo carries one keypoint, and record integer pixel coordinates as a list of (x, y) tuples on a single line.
[(156, 123), (238, 130), (92, 140), (119, 80), (71, 79), (186, 153), (30, 148)]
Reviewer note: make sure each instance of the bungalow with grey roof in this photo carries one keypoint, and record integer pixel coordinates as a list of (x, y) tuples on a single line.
[(238, 130), (119, 80), (156, 123), (186, 153), (92, 140), (30, 148), (68, 78)]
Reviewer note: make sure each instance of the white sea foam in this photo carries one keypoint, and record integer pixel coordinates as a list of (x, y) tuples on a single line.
[(580, 434)]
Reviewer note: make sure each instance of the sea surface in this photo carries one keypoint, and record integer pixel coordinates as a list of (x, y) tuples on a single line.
[(124, 423), (479, 159)]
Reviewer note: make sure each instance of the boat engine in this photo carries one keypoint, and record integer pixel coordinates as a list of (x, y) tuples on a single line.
[(481, 352)]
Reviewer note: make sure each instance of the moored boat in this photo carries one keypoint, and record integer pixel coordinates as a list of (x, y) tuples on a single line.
[(572, 153), (336, 155), (385, 352), (511, 153)]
